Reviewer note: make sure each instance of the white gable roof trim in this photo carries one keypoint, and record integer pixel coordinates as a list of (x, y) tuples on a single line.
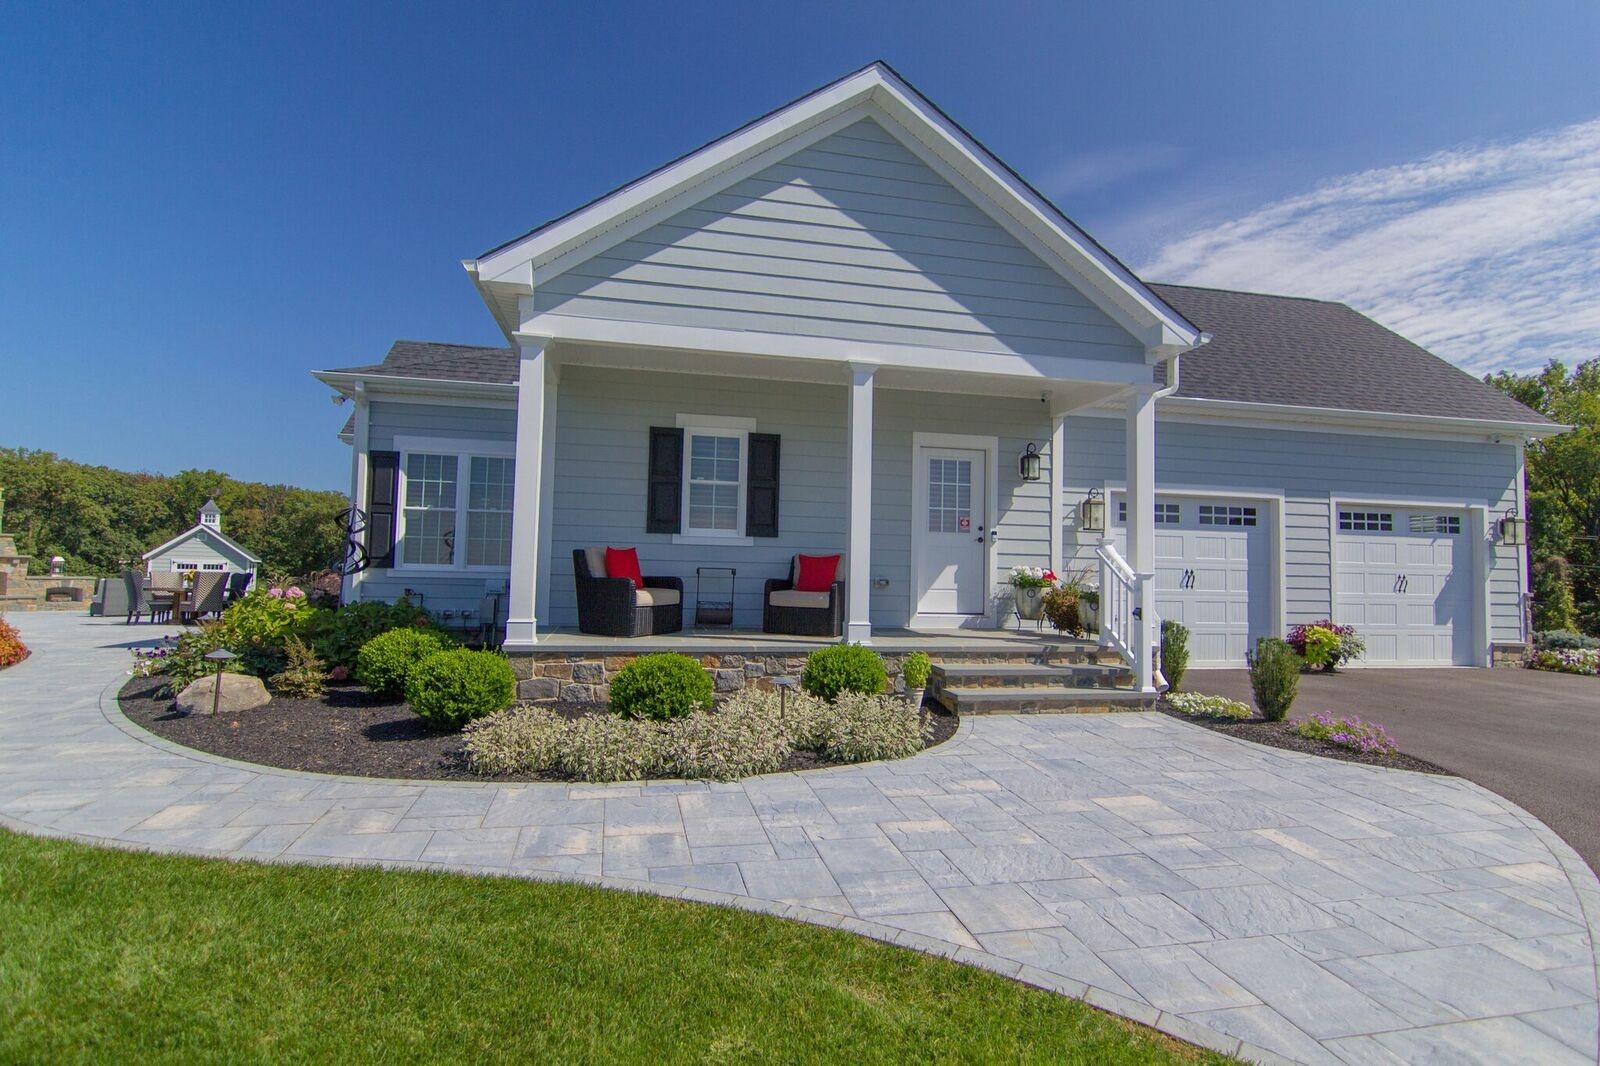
[(188, 534), (877, 92)]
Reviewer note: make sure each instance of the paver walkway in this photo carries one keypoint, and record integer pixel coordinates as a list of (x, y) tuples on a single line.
[(1244, 897)]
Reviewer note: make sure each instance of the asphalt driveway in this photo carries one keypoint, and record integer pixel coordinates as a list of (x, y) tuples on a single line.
[(1531, 736)]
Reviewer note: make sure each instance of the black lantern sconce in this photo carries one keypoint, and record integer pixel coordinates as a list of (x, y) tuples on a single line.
[(1092, 512), (1513, 529), (1029, 463)]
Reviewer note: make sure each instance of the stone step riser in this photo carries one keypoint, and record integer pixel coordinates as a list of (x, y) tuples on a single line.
[(1047, 705), (1110, 679)]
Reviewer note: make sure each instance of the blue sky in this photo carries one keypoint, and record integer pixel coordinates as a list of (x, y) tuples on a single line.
[(201, 203)]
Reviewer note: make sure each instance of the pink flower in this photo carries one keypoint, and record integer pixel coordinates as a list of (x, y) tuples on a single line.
[(276, 594)]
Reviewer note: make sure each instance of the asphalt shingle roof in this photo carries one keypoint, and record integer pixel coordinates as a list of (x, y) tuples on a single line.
[(1314, 353), (1265, 349)]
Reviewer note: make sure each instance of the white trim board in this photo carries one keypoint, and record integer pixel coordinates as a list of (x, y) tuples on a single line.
[(990, 446)]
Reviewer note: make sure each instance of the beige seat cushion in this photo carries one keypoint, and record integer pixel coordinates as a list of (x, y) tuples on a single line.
[(596, 558), (655, 597), (790, 598)]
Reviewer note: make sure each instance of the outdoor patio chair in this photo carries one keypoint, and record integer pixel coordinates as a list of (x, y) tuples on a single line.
[(238, 585), (614, 607), (208, 595), (141, 601), (166, 581), (788, 610)]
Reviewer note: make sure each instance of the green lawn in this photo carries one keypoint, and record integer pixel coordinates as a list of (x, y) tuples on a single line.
[(117, 956)]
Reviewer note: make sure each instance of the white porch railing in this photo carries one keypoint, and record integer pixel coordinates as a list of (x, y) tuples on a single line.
[(1128, 620)]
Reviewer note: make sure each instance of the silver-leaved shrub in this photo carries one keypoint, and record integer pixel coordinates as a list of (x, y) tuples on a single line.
[(604, 747), (741, 739), (518, 740), (862, 728)]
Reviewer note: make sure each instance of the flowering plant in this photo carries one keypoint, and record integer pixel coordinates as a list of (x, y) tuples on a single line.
[(1367, 738), (150, 661), (292, 596), (1569, 661), (1196, 705), (1325, 643), (1031, 577)]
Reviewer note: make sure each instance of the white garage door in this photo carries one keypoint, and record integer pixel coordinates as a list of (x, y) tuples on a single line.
[(1211, 573), (1404, 583)]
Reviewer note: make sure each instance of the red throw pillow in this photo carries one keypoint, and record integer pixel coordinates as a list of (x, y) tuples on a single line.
[(816, 573), (624, 562)]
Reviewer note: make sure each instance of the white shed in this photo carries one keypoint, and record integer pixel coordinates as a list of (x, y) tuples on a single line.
[(202, 547)]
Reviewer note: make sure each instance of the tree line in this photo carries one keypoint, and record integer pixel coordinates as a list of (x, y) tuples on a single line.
[(1563, 494), (101, 520)]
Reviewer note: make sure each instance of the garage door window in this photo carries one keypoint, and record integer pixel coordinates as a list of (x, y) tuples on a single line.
[(1366, 522), (1448, 524), (1167, 514), (1226, 515)]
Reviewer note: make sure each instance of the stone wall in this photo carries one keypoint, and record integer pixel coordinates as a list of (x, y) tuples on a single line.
[(544, 677), (1510, 654)]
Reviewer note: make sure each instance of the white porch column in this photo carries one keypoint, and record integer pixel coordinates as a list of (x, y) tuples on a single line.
[(858, 587), (1141, 474), (521, 623), (547, 488), (360, 435), (1058, 501)]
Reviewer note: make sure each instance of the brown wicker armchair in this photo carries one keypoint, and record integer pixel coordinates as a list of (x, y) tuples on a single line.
[(613, 607), (803, 614)]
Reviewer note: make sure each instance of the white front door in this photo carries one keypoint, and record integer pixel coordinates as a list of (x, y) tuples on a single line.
[(1403, 583), (952, 534)]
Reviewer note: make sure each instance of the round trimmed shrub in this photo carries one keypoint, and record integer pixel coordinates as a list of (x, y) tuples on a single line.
[(450, 688), (660, 686), (844, 668), (915, 670), (384, 661)]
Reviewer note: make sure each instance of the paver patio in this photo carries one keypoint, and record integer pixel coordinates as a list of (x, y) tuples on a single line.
[(1248, 898)]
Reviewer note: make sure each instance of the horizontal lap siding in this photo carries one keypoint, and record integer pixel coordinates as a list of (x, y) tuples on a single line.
[(1307, 468), (388, 420), (1023, 528), (602, 446), (853, 238)]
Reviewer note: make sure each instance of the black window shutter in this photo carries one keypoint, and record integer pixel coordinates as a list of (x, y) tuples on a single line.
[(761, 497), (664, 495), (383, 490)]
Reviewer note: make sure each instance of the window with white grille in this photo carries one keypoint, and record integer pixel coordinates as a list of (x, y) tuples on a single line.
[(1448, 524), (1227, 514), (1167, 514), (1366, 522)]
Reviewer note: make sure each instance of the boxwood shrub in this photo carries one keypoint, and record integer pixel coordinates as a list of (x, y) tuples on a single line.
[(844, 668), (660, 686), (450, 688), (384, 661)]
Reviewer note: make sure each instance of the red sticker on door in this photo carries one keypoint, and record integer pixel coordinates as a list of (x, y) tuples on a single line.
[(964, 523)]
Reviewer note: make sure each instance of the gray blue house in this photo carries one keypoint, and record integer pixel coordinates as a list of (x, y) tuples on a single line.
[(841, 328), (203, 546)]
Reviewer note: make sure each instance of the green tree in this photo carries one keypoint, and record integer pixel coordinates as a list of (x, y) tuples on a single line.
[(1564, 477), (100, 520)]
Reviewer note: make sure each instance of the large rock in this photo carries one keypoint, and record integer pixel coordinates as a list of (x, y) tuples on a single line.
[(240, 692)]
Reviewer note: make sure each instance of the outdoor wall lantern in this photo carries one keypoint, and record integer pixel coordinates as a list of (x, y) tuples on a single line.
[(1513, 529), (1092, 512), (1029, 464)]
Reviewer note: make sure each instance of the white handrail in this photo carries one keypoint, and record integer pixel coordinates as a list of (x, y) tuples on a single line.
[(1128, 620)]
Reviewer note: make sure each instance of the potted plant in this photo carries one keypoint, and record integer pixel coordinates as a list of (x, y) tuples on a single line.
[(1028, 584), (1089, 609), (914, 672)]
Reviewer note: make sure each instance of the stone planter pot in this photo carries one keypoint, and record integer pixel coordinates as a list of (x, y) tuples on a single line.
[(1089, 616), (914, 698), (1030, 603)]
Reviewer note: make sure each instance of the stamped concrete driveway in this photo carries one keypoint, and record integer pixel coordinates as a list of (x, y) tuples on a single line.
[(1253, 900), (1530, 735)]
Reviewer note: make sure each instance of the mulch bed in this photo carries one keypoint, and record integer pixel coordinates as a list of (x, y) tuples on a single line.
[(349, 731), (1279, 735)]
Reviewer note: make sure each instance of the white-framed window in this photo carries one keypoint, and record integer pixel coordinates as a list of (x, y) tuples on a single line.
[(455, 504), (1226, 514), (716, 471), (1167, 514), (1366, 521)]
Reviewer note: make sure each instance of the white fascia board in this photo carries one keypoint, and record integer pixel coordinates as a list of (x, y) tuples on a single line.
[(877, 93), (194, 531), (1191, 408), (653, 335), (419, 390)]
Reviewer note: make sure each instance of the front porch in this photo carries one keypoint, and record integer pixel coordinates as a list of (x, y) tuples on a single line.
[(975, 671)]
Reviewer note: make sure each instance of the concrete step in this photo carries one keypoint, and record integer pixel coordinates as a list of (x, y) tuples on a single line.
[(1031, 675), (1052, 700)]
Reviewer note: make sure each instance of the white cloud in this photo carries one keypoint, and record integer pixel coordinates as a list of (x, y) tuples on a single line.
[(1488, 255), (1094, 170)]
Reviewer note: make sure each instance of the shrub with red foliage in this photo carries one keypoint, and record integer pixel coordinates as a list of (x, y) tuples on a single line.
[(12, 650)]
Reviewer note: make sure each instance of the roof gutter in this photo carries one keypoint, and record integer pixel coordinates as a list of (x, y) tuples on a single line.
[(345, 384)]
